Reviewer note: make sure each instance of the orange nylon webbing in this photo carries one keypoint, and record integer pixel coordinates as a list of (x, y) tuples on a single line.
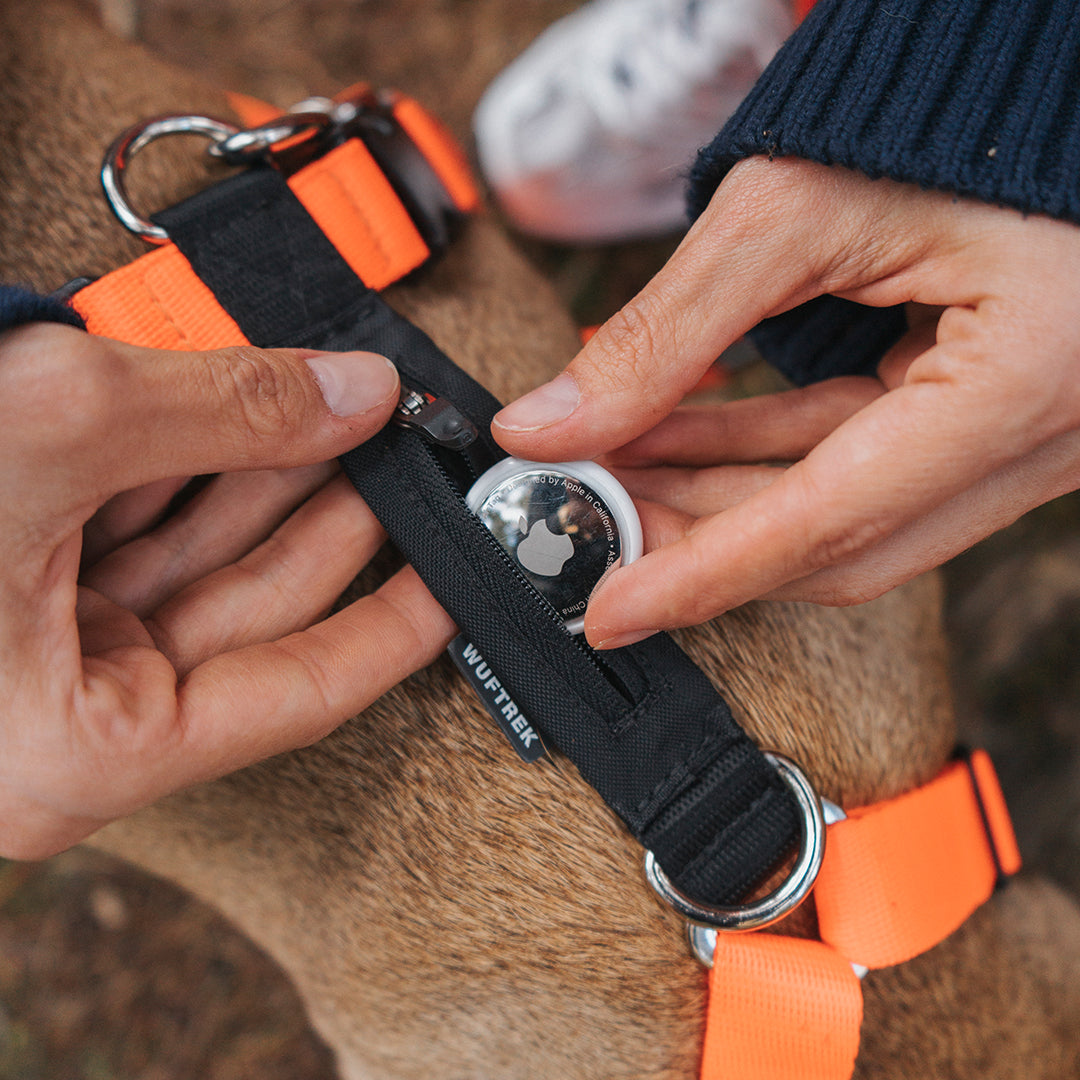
[(158, 302), (436, 143), (900, 876), (351, 200), (251, 111), (780, 1008)]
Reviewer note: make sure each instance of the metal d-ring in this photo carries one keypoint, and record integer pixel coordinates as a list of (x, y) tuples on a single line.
[(702, 939), (130, 142), (782, 900)]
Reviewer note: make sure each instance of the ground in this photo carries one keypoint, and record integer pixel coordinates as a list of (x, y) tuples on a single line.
[(106, 974)]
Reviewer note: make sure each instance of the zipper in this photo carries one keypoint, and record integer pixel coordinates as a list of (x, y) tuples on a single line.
[(439, 421), (442, 425)]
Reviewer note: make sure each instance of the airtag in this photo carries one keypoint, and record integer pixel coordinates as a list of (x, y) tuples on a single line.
[(565, 526)]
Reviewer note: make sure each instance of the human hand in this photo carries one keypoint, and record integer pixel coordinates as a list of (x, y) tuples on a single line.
[(973, 420), (183, 648)]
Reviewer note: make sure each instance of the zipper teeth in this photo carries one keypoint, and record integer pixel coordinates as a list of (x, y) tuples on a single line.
[(552, 614), (495, 546)]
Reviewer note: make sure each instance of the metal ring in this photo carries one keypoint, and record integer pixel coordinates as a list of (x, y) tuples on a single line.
[(702, 941), (784, 899), (253, 143), (129, 143)]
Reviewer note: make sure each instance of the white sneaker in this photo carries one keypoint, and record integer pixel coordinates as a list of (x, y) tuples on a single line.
[(588, 135)]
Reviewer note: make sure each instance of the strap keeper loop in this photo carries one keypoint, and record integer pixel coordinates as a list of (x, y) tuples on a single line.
[(970, 758)]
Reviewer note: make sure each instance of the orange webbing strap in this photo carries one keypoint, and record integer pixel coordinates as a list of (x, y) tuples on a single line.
[(431, 136), (900, 876), (897, 879), (351, 200), (441, 150), (436, 143), (158, 301), (780, 1008)]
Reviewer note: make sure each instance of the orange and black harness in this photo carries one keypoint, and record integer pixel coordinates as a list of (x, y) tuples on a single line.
[(340, 200)]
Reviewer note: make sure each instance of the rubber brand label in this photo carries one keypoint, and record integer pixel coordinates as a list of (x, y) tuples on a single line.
[(513, 722)]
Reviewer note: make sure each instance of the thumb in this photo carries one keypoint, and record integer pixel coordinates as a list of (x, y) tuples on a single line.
[(734, 266), (758, 249), (105, 416)]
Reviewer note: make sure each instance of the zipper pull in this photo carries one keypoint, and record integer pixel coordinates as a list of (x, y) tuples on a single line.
[(438, 420)]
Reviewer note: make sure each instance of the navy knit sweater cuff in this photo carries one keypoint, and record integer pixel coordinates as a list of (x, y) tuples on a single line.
[(976, 97), (18, 306)]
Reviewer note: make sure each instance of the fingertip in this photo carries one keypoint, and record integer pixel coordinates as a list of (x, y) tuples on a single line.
[(548, 404), (605, 624), (619, 641), (354, 384)]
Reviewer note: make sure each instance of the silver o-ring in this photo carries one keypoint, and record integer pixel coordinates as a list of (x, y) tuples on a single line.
[(129, 143)]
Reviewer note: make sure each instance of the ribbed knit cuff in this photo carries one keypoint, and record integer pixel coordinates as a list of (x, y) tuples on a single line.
[(18, 306), (976, 97)]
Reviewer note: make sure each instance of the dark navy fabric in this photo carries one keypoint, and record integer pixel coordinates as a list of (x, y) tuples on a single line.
[(18, 306), (976, 97)]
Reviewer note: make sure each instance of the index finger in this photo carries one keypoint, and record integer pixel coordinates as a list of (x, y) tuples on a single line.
[(900, 457), (264, 699)]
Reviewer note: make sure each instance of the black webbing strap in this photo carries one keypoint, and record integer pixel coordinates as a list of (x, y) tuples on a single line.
[(643, 724)]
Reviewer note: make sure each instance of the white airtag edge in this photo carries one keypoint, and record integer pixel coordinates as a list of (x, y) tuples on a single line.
[(594, 476)]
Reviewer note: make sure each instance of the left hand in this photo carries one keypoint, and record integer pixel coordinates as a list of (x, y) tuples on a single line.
[(973, 420), (143, 650)]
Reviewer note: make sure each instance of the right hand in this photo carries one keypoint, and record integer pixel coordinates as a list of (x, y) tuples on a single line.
[(140, 651), (973, 420)]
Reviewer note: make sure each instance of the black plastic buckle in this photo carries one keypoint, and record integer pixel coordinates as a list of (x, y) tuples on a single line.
[(964, 754), (408, 171), (413, 179)]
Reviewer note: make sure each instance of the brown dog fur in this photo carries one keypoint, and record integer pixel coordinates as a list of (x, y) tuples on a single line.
[(444, 910)]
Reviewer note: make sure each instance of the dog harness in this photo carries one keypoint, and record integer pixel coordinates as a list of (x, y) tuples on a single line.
[(341, 198)]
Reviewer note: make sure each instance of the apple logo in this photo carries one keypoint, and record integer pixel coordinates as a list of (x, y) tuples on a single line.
[(543, 552)]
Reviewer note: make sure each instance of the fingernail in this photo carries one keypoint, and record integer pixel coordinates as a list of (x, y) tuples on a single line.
[(631, 637), (547, 404), (354, 382)]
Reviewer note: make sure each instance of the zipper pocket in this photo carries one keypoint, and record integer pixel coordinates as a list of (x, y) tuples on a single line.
[(444, 427)]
